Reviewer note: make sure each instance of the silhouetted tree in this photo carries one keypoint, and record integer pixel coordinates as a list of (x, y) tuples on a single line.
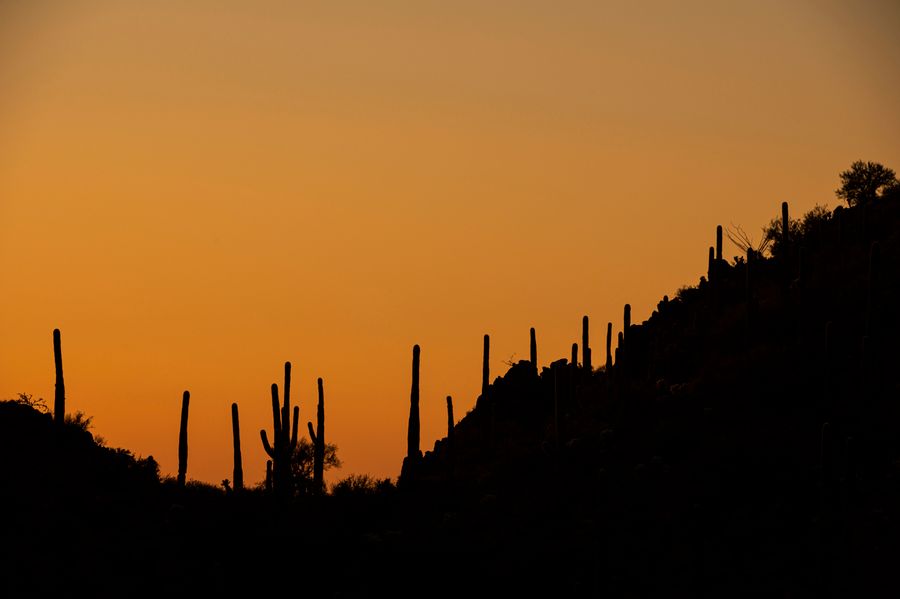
[(797, 229), (303, 464), (863, 181)]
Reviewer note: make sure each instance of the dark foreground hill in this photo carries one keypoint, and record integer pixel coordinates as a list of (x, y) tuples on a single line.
[(745, 441)]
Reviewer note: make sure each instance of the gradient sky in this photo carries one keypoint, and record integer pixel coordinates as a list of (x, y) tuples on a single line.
[(196, 191)]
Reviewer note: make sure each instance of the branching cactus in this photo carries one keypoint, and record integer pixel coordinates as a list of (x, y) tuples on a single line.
[(318, 439), (236, 439), (183, 439), (59, 399), (283, 447)]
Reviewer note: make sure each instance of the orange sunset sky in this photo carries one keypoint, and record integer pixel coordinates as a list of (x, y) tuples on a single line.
[(196, 191)]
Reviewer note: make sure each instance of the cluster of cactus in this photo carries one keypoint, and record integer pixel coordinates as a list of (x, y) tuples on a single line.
[(283, 448)]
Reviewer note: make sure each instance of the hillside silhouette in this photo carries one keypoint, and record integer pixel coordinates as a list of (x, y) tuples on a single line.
[(744, 440)]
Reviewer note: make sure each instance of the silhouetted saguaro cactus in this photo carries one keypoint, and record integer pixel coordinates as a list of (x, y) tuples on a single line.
[(574, 354), (608, 346), (710, 266), (318, 439), (485, 366), (718, 242), (533, 348), (627, 322), (183, 440), (412, 435), (283, 445), (236, 440), (59, 394), (785, 227), (585, 344), (450, 415)]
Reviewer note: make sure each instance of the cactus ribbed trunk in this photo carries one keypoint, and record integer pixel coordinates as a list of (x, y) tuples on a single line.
[(533, 348), (585, 344), (236, 440), (486, 366), (183, 439), (412, 434), (59, 394)]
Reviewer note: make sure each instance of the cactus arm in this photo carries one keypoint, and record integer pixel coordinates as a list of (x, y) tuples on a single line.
[(312, 432), (265, 442), (294, 427)]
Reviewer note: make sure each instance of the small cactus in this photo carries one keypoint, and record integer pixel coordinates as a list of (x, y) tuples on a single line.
[(574, 354), (711, 264), (183, 439)]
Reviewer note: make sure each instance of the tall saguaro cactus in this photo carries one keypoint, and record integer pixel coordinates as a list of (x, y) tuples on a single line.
[(236, 439), (318, 439), (718, 242), (450, 415), (609, 360), (183, 439), (585, 345), (283, 447), (412, 434), (785, 226), (533, 354), (59, 395), (486, 366)]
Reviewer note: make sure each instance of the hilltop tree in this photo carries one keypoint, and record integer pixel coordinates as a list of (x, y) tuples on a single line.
[(865, 181)]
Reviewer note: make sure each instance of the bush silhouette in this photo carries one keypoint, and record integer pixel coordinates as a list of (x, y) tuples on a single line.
[(863, 182)]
